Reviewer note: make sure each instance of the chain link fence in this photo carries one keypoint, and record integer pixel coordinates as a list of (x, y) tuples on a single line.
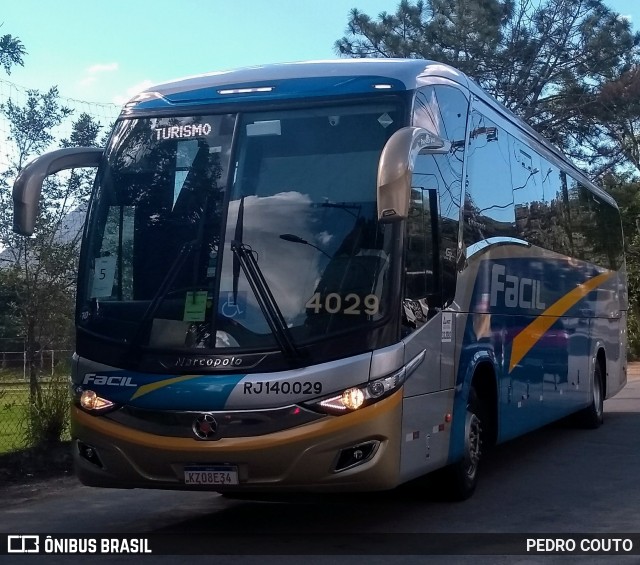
[(19, 419), (54, 369)]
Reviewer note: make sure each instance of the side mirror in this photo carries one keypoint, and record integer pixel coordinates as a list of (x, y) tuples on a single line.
[(396, 167), (28, 186)]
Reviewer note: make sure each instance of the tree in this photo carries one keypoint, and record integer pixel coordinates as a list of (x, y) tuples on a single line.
[(553, 62), (613, 118), (40, 271), (626, 191), (11, 52), (571, 68)]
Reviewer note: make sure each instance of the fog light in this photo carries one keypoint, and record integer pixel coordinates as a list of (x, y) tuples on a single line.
[(356, 455), (89, 453), (353, 398)]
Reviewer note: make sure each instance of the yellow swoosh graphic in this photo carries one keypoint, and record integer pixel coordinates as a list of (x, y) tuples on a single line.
[(528, 337), (146, 389)]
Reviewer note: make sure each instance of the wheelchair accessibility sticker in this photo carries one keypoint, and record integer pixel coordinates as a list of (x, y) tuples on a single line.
[(233, 306)]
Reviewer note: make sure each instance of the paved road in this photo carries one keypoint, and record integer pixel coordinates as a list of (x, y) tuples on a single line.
[(558, 479)]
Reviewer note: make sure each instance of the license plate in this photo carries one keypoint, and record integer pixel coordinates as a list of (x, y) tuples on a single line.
[(211, 475)]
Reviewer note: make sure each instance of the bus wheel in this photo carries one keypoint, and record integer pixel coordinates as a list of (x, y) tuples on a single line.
[(461, 478), (593, 416)]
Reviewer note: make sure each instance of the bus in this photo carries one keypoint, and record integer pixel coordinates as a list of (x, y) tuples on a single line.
[(331, 276)]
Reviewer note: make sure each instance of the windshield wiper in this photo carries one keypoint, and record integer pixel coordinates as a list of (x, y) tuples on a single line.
[(163, 289), (272, 313)]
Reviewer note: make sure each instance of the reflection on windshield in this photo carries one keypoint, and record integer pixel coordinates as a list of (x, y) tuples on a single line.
[(307, 181), (348, 257), (307, 186)]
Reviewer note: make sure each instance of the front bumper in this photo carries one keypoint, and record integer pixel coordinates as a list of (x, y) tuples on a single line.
[(297, 459)]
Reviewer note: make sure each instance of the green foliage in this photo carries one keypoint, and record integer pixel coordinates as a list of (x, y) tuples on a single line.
[(12, 420), (633, 335), (10, 329), (38, 278), (550, 61), (613, 115), (570, 68), (627, 194), (633, 273), (11, 52), (30, 125), (47, 413)]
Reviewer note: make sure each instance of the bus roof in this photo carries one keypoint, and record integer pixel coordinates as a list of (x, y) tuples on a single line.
[(308, 79), (294, 80)]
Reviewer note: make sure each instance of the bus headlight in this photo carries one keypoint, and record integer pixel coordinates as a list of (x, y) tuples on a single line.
[(354, 398), (89, 400)]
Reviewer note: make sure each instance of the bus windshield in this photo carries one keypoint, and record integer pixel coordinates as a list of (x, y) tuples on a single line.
[(180, 200)]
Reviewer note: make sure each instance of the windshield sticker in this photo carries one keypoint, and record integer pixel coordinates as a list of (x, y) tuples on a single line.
[(447, 327), (385, 120), (182, 132), (212, 265), (267, 127), (195, 306), (234, 307), (103, 276)]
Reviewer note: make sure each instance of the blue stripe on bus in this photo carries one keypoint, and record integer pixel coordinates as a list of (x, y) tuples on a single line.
[(490, 340), (282, 89), (163, 392)]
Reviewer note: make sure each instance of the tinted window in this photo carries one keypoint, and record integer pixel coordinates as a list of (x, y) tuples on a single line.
[(442, 110), (540, 201), (489, 209), (596, 229)]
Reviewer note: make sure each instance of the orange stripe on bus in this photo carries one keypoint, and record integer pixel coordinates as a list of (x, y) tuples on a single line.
[(146, 389), (530, 335)]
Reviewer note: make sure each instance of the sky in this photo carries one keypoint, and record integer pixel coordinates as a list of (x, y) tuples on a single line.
[(103, 51), (107, 51)]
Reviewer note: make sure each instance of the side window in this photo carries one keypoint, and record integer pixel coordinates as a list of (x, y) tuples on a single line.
[(489, 207), (595, 225), (442, 110), (113, 269), (580, 216), (540, 203), (528, 195), (454, 109), (611, 231), (419, 272), (554, 214)]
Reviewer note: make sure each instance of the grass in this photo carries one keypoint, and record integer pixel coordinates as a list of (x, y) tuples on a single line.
[(9, 376), (13, 399), (18, 461)]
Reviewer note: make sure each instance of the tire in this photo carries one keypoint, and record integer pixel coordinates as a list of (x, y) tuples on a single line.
[(460, 479), (592, 417)]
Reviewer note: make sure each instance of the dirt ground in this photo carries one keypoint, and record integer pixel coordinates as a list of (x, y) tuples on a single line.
[(32, 472)]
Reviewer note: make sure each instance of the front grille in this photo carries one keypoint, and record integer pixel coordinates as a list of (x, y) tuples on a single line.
[(248, 423)]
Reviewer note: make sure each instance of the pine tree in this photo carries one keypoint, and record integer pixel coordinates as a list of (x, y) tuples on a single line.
[(553, 62)]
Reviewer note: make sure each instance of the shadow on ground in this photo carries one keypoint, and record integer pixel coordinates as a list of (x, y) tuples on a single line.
[(36, 463)]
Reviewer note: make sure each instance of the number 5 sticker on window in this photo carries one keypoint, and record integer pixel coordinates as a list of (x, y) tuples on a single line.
[(105, 270)]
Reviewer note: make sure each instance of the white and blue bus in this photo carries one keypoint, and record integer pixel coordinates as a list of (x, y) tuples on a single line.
[(331, 276)]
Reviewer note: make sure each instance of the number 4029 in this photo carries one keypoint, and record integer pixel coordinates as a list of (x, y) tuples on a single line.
[(352, 304)]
